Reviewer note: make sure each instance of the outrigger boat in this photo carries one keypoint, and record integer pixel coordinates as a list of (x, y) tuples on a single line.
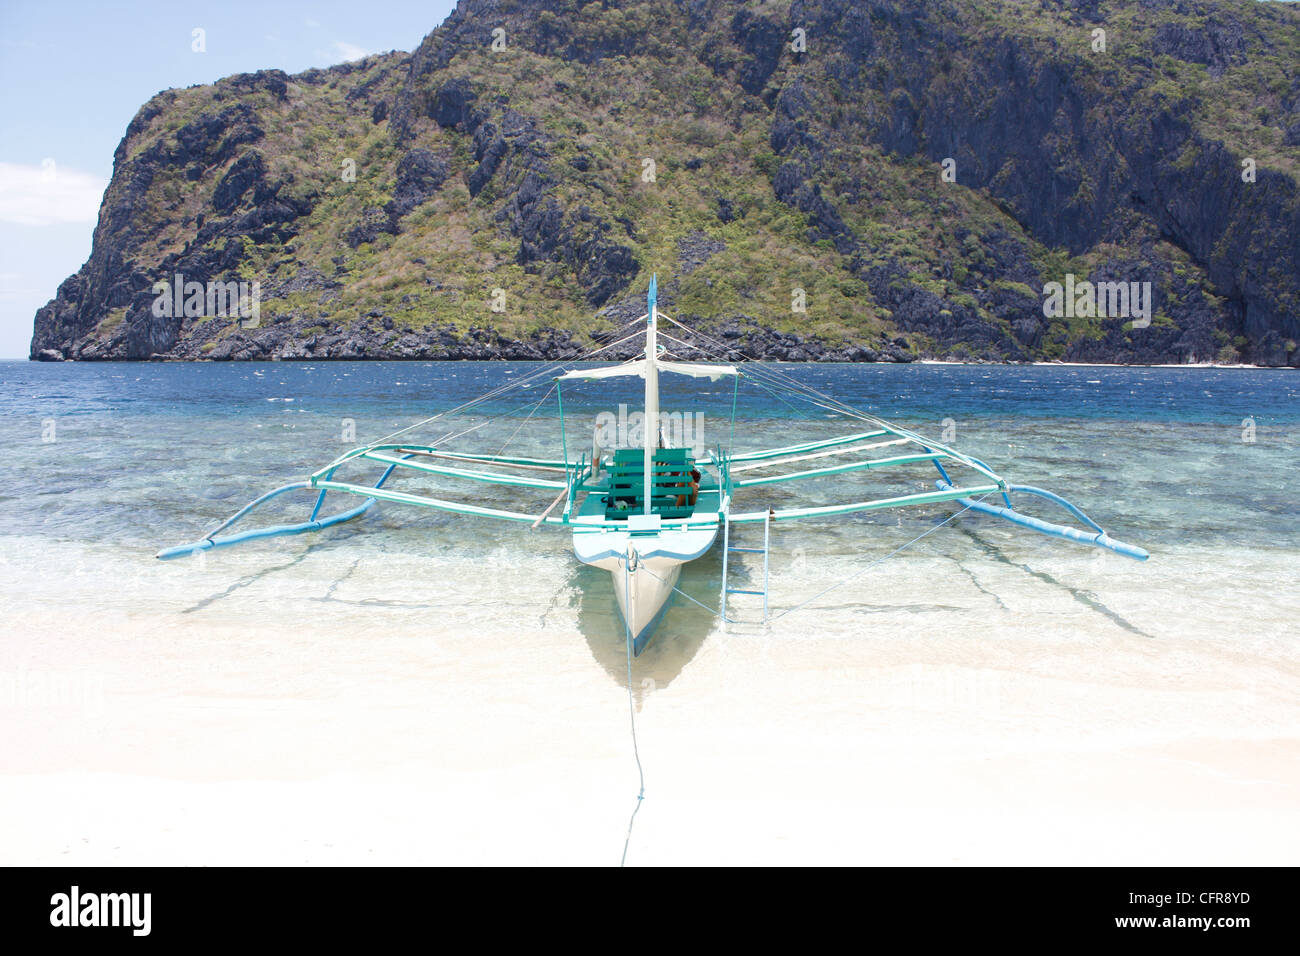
[(643, 512)]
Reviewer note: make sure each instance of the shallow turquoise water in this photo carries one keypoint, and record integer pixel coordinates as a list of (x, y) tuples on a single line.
[(145, 456)]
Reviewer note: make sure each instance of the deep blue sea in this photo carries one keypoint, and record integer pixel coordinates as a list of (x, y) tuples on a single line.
[(407, 391)]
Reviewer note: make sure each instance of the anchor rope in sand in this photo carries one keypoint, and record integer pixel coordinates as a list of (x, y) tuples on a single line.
[(632, 565), (631, 710)]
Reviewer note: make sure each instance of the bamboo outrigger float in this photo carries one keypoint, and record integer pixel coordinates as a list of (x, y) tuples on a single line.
[(639, 512)]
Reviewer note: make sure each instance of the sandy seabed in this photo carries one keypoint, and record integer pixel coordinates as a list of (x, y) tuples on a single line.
[(1004, 721)]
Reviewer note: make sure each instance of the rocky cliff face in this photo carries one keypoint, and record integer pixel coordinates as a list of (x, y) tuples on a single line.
[(813, 179)]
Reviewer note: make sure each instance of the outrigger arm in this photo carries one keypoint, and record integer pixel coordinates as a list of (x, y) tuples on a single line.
[(969, 496), (412, 458), (212, 540), (1098, 538)]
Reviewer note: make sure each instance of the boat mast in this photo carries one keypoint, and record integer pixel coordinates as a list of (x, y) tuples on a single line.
[(650, 424)]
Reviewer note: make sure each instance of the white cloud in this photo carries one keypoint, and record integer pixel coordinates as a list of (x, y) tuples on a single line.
[(48, 195), (343, 52)]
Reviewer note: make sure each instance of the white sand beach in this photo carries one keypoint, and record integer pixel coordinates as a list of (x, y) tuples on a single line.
[(305, 721)]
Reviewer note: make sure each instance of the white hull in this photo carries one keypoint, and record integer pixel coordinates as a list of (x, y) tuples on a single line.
[(643, 592)]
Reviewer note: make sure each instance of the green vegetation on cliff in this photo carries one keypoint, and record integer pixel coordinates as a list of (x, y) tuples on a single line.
[(912, 173)]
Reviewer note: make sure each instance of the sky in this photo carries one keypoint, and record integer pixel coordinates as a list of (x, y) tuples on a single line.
[(74, 72)]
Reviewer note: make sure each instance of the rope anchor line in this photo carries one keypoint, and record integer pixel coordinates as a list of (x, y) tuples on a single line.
[(630, 561)]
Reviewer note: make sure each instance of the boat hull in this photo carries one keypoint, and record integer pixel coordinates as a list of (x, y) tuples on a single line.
[(643, 593), (644, 569)]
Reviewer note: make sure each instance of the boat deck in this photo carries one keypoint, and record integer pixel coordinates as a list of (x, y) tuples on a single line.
[(604, 541), (594, 507)]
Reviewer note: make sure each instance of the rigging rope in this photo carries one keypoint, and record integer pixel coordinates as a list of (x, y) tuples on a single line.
[(813, 396), (775, 376), (536, 406), (859, 573), (545, 370), (452, 436)]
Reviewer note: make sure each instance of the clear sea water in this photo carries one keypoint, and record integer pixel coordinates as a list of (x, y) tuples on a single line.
[(420, 687), (107, 463)]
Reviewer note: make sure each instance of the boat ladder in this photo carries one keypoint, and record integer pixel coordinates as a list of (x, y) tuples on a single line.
[(728, 550)]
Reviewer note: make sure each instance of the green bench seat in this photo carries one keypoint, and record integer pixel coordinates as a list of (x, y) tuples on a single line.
[(670, 477)]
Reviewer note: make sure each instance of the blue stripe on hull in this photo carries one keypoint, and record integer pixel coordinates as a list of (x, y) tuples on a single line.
[(641, 640)]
